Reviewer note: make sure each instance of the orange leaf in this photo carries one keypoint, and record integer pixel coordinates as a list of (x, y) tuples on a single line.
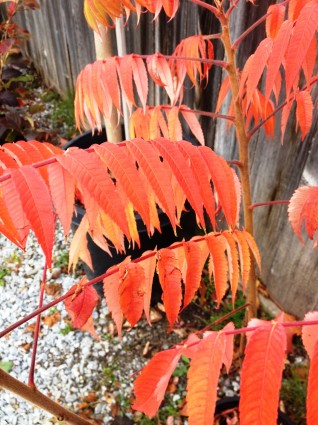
[(195, 263), (261, 374), (132, 289), (232, 255), (82, 303), (229, 346), (180, 168), (193, 123), (151, 384), (94, 178), (170, 281), (78, 248), (111, 291), (304, 112), (224, 90), (149, 267), (37, 205), (203, 378), (174, 124), (124, 170), (300, 41), (303, 208), (245, 258), (148, 159), (219, 265), (253, 247)]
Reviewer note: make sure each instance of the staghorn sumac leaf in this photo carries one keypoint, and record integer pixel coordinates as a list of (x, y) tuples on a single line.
[(303, 209), (223, 181), (245, 258), (170, 281), (202, 176), (229, 346), (195, 262), (82, 303), (224, 90), (78, 247), (275, 20), (124, 170), (312, 388), (111, 291), (151, 384), (149, 266), (300, 41), (171, 153), (257, 66), (141, 79), (310, 61), (131, 290), (233, 261), (193, 123), (203, 376), (62, 189), (37, 205), (262, 373), (279, 48), (310, 333), (219, 265), (148, 159), (94, 178), (253, 247), (174, 124), (304, 112)]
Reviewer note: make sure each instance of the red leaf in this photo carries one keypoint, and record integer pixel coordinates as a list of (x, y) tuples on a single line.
[(78, 248), (229, 346), (275, 60), (132, 289), (141, 79), (245, 258), (310, 334), (300, 41), (304, 112), (82, 303), (303, 208), (203, 177), (111, 291), (232, 255), (170, 281), (312, 389), (275, 19), (203, 378), (257, 66), (224, 90), (223, 181), (37, 204), (310, 61), (261, 374), (151, 384), (149, 267)]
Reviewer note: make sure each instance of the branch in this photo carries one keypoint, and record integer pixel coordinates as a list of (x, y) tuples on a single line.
[(209, 7), (250, 29), (280, 107), (220, 63), (37, 330), (263, 204), (37, 398), (198, 112)]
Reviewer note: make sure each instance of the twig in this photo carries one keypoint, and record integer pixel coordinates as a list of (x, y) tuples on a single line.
[(263, 204), (37, 330)]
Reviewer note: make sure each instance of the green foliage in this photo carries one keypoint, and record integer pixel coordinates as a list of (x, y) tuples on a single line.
[(63, 114), (226, 307), (67, 329), (182, 368), (4, 272), (6, 366), (294, 392)]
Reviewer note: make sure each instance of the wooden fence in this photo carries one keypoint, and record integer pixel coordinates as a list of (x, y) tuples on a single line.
[(62, 44)]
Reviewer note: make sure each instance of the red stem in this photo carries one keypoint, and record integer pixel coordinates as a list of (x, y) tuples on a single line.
[(196, 111), (222, 64), (250, 29), (263, 204), (209, 7), (37, 330)]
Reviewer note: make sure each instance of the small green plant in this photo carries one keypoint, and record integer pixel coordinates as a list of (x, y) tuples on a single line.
[(294, 392), (61, 259), (4, 272), (67, 329), (63, 114), (225, 308)]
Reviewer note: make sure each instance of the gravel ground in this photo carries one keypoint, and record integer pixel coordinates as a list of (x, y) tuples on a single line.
[(73, 368)]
